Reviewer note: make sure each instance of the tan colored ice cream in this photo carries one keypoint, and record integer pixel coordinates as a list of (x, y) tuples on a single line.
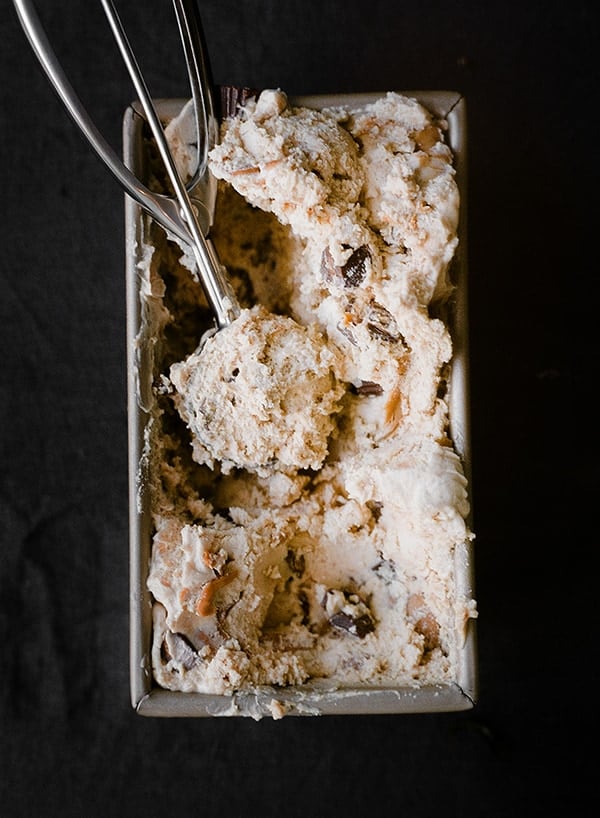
[(312, 537), (260, 394)]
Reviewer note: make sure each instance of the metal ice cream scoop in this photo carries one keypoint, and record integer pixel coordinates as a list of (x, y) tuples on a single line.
[(189, 213)]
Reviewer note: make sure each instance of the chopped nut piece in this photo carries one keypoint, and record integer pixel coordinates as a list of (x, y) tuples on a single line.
[(215, 560), (206, 603), (424, 621), (393, 408), (427, 137)]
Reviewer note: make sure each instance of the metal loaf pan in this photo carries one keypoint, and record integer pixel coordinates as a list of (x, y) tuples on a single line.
[(146, 697)]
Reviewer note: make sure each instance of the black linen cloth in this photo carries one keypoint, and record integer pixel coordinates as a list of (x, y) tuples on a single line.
[(70, 743)]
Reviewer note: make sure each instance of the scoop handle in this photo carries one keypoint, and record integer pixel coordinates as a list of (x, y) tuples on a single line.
[(161, 208), (178, 217)]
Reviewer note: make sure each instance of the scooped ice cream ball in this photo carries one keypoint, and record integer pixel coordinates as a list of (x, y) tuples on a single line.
[(260, 394)]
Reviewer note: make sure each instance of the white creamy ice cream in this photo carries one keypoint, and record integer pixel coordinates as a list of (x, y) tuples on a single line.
[(311, 537), (260, 394)]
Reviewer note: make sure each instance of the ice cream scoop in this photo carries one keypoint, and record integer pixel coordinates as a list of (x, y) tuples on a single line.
[(272, 426), (188, 214)]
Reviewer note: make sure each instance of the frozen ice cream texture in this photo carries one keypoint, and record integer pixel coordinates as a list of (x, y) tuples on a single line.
[(308, 501), (259, 394)]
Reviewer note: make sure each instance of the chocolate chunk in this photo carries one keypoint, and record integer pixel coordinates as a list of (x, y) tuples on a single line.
[(355, 269), (242, 284), (234, 97), (360, 626), (296, 562), (347, 611), (368, 388), (442, 389), (352, 273), (375, 507), (304, 607)]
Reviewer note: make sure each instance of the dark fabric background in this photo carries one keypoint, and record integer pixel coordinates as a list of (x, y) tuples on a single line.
[(70, 743)]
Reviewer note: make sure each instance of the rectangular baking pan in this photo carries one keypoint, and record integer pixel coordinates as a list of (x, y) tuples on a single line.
[(146, 697)]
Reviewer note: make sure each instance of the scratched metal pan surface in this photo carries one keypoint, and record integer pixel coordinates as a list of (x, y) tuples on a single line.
[(146, 697)]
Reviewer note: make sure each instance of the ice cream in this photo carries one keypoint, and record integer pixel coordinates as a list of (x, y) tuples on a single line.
[(314, 541), (260, 394)]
